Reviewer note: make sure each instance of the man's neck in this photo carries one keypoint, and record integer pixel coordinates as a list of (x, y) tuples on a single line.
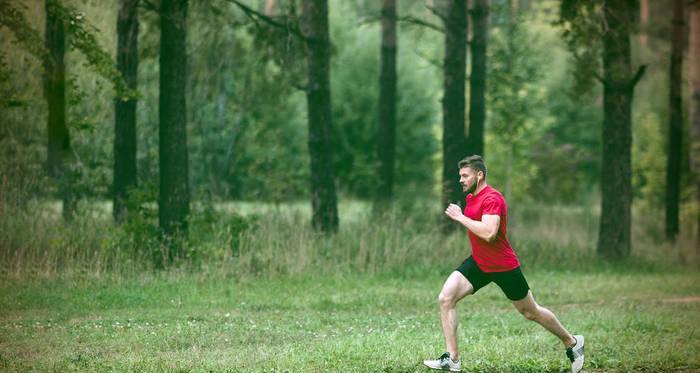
[(479, 188)]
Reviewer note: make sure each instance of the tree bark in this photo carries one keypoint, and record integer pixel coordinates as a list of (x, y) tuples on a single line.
[(477, 78), (318, 96), (694, 104), (387, 103), (618, 91), (644, 23), (125, 109), (174, 198), (453, 102), (675, 134), (59, 154)]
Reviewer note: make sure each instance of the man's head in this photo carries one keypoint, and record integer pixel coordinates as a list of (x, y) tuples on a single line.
[(472, 171)]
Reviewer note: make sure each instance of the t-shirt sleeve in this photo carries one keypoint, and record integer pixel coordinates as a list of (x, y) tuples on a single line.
[(492, 206)]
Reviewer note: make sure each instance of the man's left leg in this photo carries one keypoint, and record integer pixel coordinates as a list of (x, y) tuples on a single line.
[(533, 311), (516, 288)]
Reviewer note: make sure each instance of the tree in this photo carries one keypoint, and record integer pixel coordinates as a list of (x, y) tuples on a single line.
[(618, 93), (675, 134), (64, 28), (125, 108), (453, 101), (318, 97), (174, 197), (588, 25), (477, 78), (694, 104), (59, 153), (386, 133)]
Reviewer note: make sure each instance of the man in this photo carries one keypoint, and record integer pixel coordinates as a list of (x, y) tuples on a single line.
[(492, 260)]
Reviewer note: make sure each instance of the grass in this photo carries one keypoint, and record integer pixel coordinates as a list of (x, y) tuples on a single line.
[(345, 323), (261, 291)]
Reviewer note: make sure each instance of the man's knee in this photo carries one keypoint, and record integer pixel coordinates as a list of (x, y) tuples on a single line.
[(446, 300)]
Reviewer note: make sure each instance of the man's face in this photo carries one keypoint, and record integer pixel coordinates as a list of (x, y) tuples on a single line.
[(469, 179)]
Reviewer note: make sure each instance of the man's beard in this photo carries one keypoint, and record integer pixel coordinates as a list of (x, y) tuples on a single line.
[(470, 189)]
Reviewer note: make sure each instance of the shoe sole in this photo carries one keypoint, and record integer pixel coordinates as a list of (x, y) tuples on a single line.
[(443, 369)]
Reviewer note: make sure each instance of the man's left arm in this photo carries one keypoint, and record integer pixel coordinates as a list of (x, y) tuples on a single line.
[(486, 229)]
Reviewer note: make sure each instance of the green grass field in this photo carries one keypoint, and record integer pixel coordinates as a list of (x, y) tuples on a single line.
[(389, 322)]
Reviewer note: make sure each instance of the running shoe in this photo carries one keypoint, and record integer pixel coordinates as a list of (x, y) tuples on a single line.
[(444, 363), (575, 354)]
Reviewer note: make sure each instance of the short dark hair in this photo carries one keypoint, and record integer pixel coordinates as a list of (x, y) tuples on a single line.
[(475, 162)]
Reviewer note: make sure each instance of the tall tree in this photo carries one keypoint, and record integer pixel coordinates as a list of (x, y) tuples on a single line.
[(477, 78), (174, 198), (694, 104), (675, 130), (318, 96), (386, 133), (59, 153), (125, 108), (453, 101), (618, 92)]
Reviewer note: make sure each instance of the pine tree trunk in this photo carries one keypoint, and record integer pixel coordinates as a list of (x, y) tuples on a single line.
[(694, 104), (387, 103), (675, 134), (616, 181), (644, 23), (174, 198), (453, 101), (477, 78), (318, 95), (59, 154), (125, 110)]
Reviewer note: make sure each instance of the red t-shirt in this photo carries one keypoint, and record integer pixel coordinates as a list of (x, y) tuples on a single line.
[(497, 255)]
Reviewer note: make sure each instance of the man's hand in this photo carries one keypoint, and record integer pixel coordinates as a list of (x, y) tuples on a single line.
[(454, 212)]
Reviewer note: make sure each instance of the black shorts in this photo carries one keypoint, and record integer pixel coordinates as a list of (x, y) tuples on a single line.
[(512, 282)]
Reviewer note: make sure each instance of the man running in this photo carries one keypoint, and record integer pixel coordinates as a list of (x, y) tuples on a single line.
[(492, 260)]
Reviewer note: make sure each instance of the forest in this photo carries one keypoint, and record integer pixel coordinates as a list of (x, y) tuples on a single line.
[(159, 150)]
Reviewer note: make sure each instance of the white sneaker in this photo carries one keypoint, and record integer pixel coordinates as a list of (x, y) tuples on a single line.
[(444, 363), (575, 354)]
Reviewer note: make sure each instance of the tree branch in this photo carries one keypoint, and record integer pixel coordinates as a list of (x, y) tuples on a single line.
[(638, 75), (256, 16), (437, 13), (419, 22)]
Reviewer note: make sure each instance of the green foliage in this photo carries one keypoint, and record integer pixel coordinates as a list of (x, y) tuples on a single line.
[(81, 36), (355, 90), (12, 17), (516, 97), (583, 25)]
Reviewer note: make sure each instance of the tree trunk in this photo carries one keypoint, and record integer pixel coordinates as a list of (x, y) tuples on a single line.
[(174, 198), (477, 78), (694, 104), (318, 96), (59, 154), (125, 110), (644, 23), (270, 7), (675, 134), (387, 104), (453, 101), (618, 91)]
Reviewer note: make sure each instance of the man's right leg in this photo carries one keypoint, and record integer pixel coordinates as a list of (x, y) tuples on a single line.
[(455, 288)]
